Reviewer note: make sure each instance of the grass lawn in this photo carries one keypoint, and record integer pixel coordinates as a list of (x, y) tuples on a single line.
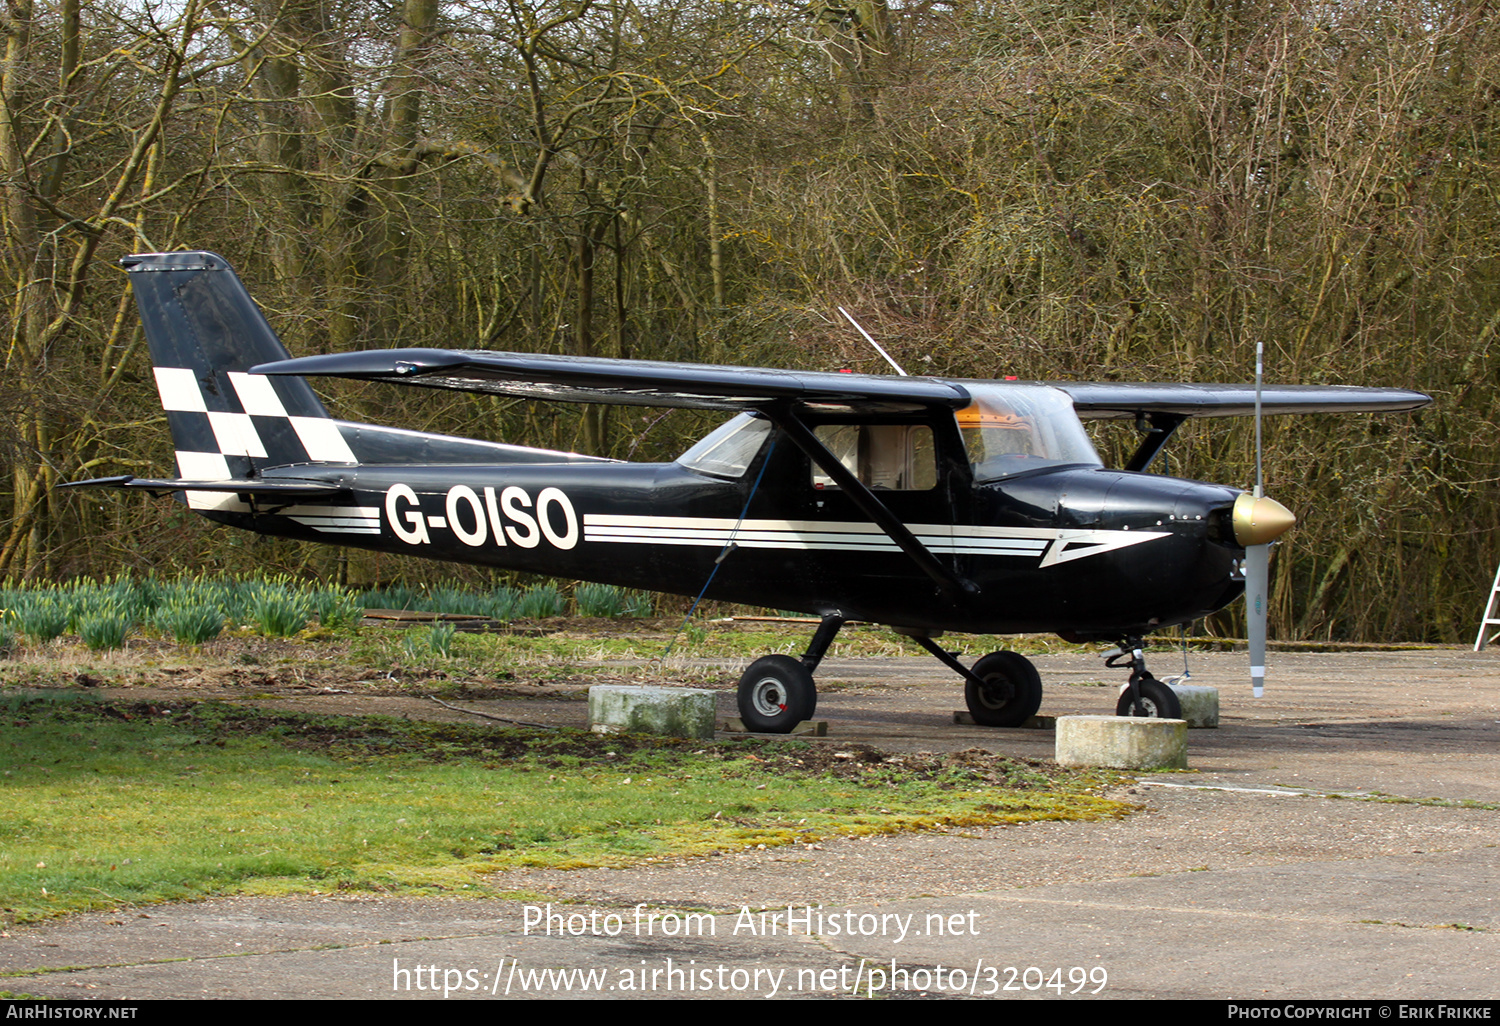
[(110, 802)]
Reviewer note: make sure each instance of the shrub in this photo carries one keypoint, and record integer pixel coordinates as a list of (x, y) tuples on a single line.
[(440, 639), (105, 630), (599, 600), (337, 608), (397, 597), (502, 604), (41, 617), (437, 640), (540, 602), (190, 623), (278, 612), (612, 602)]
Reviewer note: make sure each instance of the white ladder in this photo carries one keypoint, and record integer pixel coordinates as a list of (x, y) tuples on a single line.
[(1490, 619)]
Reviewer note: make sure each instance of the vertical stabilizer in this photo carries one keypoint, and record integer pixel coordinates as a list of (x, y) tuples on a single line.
[(205, 333)]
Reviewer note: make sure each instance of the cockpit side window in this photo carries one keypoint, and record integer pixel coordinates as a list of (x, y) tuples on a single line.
[(730, 448), (1010, 429), (888, 457)]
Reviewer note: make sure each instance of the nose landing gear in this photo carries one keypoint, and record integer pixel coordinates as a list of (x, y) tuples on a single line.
[(1143, 695)]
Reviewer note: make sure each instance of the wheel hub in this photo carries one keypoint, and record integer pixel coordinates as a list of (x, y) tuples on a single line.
[(997, 691), (768, 698)]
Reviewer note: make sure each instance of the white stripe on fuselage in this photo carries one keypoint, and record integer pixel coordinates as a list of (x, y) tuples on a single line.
[(335, 519), (1050, 545)]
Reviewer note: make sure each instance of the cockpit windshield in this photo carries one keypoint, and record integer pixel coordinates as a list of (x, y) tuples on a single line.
[(1007, 429), (728, 450), (1010, 429)]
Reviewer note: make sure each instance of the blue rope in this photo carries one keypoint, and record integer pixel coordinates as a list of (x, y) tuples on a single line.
[(723, 553)]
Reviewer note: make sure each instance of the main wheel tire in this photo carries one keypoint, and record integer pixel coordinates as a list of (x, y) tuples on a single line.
[(1012, 691), (776, 693), (1157, 701)]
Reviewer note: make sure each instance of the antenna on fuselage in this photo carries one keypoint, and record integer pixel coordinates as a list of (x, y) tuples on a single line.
[(872, 342)]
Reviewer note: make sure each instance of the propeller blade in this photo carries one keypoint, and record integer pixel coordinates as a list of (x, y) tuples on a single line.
[(1256, 525), (1257, 588)]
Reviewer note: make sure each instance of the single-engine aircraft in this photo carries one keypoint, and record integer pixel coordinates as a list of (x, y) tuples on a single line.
[(925, 504)]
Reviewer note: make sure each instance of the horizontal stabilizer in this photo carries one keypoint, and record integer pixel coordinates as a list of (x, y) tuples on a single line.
[(282, 488)]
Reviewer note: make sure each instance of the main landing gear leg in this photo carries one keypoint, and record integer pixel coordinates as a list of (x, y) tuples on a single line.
[(818, 647), (1002, 690), (1144, 695), (777, 692)]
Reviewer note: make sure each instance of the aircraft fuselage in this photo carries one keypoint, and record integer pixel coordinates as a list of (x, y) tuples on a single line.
[(1079, 550)]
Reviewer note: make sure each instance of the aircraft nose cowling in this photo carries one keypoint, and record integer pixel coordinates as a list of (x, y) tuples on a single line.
[(1258, 521)]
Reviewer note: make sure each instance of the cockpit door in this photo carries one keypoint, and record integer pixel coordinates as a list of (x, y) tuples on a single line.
[(902, 465)]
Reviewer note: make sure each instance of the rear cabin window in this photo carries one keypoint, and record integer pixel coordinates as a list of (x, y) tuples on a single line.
[(884, 457), (730, 448)]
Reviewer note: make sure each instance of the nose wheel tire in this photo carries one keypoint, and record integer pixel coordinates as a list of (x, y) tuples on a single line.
[(1012, 691), (776, 693), (1157, 701)]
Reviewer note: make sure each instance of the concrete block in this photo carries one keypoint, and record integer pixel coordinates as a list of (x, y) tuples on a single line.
[(674, 712), (1200, 705), (1121, 742)]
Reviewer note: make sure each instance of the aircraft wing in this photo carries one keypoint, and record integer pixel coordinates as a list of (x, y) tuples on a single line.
[(709, 386), (626, 382), (1119, 400)]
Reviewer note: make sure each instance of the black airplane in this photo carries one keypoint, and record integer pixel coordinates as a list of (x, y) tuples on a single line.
[(925, 504)]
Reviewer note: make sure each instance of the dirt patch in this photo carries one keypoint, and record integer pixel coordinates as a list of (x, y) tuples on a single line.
[(257, 668), (360, 737)]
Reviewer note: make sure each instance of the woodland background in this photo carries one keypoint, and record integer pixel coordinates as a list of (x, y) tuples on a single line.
[(1133, 191)]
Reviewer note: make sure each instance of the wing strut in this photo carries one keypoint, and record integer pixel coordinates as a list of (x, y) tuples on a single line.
[(1158, 428), (952, 585)]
